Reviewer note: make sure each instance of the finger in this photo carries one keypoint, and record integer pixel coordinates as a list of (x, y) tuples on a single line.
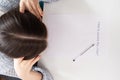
[(31, 10), (21, 6), (29, 61), (35, 10), (18, 60), (39, 10), (35, 60)]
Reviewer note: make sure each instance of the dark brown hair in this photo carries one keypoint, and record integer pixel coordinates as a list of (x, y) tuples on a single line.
[(22, 34)]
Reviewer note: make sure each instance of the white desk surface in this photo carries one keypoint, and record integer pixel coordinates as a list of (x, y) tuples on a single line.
[(106, 66)]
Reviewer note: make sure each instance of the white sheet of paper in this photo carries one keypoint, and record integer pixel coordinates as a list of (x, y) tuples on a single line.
[(69, 36)]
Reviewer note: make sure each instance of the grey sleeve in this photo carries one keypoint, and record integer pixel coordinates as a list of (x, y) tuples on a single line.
[(6, 5), (46, 74)]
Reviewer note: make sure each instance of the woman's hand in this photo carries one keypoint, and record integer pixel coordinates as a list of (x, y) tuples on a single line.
[(32, 6), (23, 68)]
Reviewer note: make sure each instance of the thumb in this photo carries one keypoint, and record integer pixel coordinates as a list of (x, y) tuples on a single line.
[(35, 60)]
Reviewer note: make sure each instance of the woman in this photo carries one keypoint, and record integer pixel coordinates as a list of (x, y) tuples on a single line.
[(22, 37)]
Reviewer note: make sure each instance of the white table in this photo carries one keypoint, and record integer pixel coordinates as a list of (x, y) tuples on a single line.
[(106, 66)]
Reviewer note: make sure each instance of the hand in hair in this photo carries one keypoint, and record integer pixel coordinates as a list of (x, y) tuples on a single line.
[(32, 6), (23, 69)]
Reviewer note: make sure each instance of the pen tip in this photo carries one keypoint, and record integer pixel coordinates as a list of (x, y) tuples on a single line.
[(73, 60)]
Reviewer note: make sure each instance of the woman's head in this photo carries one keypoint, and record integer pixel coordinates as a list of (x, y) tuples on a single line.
[(22, 34)]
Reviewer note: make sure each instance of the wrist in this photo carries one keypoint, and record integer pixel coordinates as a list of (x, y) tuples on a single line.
[(33, 75)]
